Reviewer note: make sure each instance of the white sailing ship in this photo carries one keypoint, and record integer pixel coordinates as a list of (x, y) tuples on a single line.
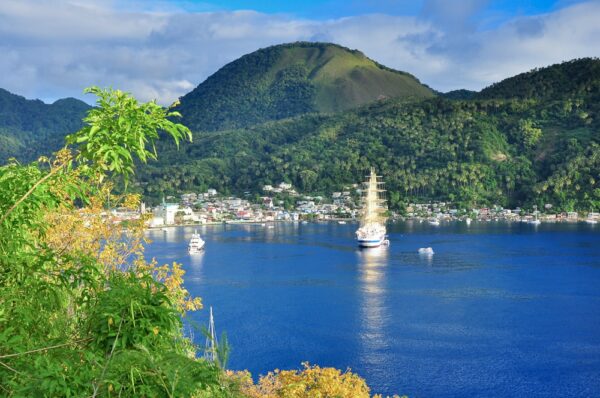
[(196, 244), (372, 231)]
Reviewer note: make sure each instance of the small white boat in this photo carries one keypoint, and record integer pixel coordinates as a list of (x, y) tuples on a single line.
[(591, 221), (535, 221), (263, 224), (196, 244), (271, 226), (342, 222), (468, 221), (434, 221), (426, 250)]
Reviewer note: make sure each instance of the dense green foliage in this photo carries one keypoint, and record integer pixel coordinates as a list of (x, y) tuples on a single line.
[(292, 79), (572, 78), (30, 128), (475, 152), (83, 314), (530, 139), (460, 94), (120, 128)]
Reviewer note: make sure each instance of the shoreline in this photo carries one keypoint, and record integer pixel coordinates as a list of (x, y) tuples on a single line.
[(356, 221)]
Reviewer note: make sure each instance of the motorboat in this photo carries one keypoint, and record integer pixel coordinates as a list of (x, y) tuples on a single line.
[(434, 221), (196, 244), (426, 250)]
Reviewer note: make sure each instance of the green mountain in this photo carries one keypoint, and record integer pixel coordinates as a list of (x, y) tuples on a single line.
[(292, 79), (567, 79), (530, 139), (30, 128), (480, 151)]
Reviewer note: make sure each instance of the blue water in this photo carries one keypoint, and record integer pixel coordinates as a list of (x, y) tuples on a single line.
[(500, 310)]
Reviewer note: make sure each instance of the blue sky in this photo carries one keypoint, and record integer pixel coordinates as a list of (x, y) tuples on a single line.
[(326, 9), (160, 49)]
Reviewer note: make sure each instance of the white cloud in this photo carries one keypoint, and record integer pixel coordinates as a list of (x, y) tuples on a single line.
[(51, 49)]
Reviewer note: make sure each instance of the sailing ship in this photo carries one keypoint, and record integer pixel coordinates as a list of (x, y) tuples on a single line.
[(372, 231), (196, 244)]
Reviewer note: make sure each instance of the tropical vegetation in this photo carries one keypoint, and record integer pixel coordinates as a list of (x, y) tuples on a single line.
[(286, 80), (534, 150), (30, 128), (82, 311), (289, 113)]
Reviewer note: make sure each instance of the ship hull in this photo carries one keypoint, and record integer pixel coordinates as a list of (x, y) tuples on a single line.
[(370, 242), (370, 238)]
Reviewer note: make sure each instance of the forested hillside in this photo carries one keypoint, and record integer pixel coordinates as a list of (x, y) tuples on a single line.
[(292, 79), (572, 78), (29, 128), (487, 151), (530, 139)]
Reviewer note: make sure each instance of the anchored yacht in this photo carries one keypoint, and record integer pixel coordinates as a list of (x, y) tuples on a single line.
[(196, 243)]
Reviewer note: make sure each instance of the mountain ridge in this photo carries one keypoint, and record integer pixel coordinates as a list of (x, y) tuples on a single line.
[(286, 80), (530, 139), (472, 151), (568, 78), (29, 128)]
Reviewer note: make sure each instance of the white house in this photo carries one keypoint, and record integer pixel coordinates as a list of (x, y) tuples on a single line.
[(166, 212)]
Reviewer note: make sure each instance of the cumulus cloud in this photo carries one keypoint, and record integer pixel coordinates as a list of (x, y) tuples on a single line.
[(52, 49)]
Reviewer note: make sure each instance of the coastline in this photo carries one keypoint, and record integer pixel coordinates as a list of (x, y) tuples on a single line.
[(355, 221)]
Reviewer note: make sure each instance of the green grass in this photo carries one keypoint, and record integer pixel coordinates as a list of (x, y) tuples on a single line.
[(345, 79)]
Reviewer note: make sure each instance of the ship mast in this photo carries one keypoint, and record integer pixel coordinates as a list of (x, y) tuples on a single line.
[(373, 201)]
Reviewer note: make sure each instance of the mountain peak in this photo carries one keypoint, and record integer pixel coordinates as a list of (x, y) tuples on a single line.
[(290, 79)]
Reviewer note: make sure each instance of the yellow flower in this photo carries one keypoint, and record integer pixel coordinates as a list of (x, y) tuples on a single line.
[(155, 330), (110, 321)]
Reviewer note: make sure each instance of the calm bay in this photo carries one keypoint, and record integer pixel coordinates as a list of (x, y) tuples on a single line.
[(500, 309)]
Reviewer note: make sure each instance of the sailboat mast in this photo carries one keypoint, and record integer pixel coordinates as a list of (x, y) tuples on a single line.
[(210, 350), (374, 204)]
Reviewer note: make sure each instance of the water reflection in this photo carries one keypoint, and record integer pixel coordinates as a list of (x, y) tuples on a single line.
[(372, 265), (196, 259), (426, 258), (194, 273), (170, 234)]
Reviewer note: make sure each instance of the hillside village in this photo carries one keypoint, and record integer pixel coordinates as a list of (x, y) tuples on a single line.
[(284, 203)]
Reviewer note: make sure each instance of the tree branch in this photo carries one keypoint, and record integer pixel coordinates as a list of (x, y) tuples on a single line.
[(43, 349), (18, 202)]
